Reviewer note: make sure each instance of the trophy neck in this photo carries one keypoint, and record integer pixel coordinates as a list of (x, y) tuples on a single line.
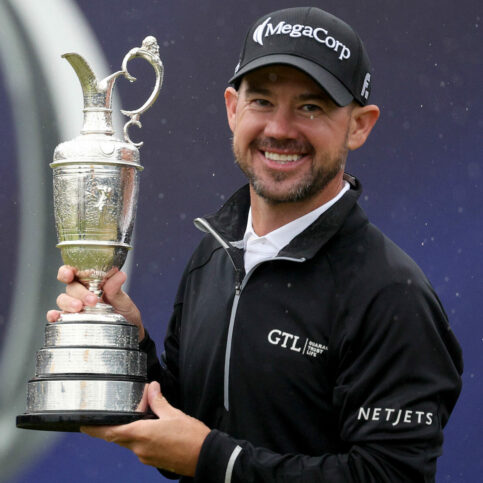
[(93, 286), (97, 120)]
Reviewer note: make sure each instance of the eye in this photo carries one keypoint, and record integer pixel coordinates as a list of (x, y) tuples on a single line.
[(261, 102), (311, 108)]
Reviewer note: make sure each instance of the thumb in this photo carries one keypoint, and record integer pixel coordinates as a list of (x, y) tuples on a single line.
[(157, 402), (112, 289), (120, 300)]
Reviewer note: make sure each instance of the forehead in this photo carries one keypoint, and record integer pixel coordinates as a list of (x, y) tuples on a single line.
[(283, 76)]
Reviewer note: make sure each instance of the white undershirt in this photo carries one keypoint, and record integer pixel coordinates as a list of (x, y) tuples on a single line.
[(259, 248)]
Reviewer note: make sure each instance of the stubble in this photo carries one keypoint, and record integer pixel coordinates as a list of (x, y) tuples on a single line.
[(322, 171)]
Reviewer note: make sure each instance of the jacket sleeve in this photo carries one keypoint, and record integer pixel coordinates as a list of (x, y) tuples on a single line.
[(397, 377)]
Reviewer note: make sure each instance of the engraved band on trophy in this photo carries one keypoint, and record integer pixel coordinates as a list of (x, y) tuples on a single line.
[(90, 370)]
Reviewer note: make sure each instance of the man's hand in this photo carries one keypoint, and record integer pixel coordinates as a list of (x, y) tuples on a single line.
[(172, 442), (76, 297)]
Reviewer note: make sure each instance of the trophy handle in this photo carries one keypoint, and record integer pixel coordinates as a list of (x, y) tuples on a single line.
[(150, 52)]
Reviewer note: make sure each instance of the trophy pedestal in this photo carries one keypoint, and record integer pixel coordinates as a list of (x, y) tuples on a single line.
[(90, 372), (71, 421)]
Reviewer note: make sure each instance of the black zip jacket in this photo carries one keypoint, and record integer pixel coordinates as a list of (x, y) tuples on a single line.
[(332, 362)]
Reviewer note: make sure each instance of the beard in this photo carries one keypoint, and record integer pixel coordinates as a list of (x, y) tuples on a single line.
[(323, 170)]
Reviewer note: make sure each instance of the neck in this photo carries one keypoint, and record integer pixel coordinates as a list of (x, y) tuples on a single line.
[(268, 216)]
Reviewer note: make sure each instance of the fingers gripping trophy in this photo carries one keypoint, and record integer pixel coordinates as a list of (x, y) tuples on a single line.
[(90, 370)]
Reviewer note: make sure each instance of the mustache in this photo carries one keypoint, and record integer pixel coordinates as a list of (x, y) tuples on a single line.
[(266, 144)]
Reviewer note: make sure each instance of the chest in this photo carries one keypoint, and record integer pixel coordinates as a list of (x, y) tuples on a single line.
[(271, 339), (280, 343)]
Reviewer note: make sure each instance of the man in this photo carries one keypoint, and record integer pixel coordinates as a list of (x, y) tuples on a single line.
[(304, 345)]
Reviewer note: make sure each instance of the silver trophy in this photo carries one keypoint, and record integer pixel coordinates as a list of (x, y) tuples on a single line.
[(90, 370)]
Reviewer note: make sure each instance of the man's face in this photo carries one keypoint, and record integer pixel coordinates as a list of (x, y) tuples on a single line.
[(289, 137)]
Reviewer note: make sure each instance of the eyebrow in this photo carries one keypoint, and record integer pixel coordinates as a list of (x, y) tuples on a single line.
[(311, 96), (250, 90), (307, 96)]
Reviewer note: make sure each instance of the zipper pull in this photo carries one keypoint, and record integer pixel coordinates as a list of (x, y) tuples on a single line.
[(238, 281)]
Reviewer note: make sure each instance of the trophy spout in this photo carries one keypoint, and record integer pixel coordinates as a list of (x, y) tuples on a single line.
[(97, 96)]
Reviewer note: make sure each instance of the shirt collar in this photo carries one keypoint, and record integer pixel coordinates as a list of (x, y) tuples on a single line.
[(282, 236)]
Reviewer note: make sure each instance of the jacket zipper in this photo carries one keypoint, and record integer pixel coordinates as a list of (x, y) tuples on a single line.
[(203, 225), (226, 373), (238, 290)]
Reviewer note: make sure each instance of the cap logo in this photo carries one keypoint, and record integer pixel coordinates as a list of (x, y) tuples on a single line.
[(365, 86), (319, 34)]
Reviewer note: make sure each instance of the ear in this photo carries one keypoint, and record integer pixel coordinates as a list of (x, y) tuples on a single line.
[(231, 100), (363, 119)]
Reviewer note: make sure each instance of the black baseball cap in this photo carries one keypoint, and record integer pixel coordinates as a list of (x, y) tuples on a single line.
[(314, 41)]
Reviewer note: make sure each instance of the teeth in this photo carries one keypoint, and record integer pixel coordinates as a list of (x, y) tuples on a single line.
[(282, 158)]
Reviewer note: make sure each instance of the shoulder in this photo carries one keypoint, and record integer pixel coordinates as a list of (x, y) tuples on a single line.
[(381, 288), (388, 304), (367, 261)]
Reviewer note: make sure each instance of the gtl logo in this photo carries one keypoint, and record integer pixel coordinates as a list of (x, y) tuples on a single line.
[(275, 336), (291, 342)]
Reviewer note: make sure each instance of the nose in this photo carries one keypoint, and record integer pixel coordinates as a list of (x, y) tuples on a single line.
[(280, 124)]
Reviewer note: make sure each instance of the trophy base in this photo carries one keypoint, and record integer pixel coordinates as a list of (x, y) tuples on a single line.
[(71, 421)]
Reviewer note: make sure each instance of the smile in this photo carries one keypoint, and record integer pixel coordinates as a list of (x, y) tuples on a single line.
[(282, 158)]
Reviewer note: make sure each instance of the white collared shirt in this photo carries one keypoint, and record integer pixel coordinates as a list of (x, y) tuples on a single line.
[(259, 248)]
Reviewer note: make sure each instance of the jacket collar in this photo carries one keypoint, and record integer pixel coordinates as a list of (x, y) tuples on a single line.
[(229, 222)]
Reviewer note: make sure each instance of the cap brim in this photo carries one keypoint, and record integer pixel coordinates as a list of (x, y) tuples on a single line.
[(336, 90)]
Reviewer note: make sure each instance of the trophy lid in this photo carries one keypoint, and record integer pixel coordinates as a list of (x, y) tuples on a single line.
[(96, 143)]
